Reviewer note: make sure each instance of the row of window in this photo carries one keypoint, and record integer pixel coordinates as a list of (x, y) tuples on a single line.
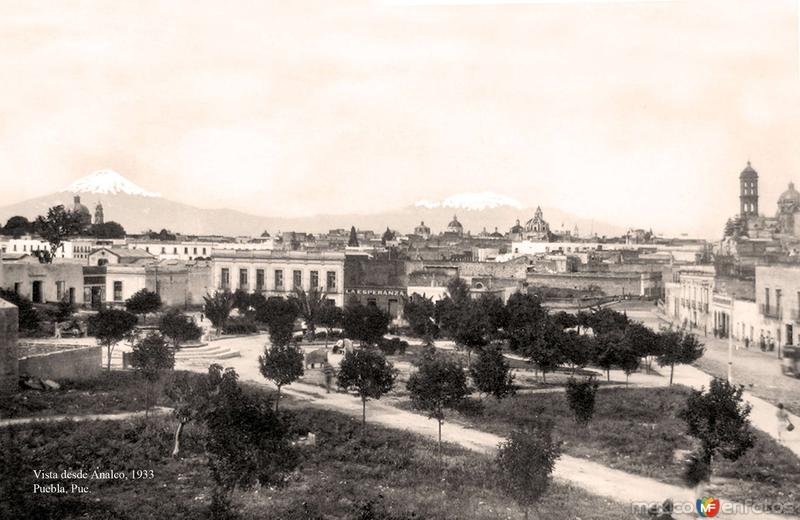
[(278, 283), (175, 250)]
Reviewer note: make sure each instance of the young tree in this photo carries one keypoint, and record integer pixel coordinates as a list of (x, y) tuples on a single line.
[(642, 340), (110, 326), (143, 302), (472, 327), (367, 372), (281, 364), (496, 315), (542, 344), (491, 373), (218, 308), (179, 328), (279, 314), (150, 357), (719, 420), (309, 305), (607, 349), (439, 383), (525, 316), (59, 224), (581, 398), (678, 348), (421, 315), (330, 316), (247, 443), (579, 349), (365, 323), (27, 317), (627, 358), (525, 464), (195, 396)]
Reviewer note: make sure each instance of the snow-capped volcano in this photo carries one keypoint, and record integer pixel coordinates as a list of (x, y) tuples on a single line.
[(107, 182), (473, 201)]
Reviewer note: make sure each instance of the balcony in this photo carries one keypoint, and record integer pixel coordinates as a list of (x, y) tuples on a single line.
[(769, 311)]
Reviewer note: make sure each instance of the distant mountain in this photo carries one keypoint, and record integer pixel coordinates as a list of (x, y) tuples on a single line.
[(138, 210)]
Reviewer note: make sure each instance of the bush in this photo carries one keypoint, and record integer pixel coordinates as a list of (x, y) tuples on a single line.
[(393, 346), (240, 326), (581, 397)]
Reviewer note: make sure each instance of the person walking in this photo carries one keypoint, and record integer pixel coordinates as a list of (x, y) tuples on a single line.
[(327, 370), (784, 424)]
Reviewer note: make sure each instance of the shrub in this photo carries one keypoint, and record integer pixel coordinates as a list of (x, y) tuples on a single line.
[(240, 326), (581, 398), (392, 346)]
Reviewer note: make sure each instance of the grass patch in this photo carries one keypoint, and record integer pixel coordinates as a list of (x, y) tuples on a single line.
[(391, 474)]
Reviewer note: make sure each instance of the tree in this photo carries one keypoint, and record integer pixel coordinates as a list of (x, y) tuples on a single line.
[(179, 328), (458, 290), (27, 317), (604, 321), (420, 313), (565, 320), (330, 316), (642, 340), (353, 240), (439, 383), (281, 364), (279, 314), (150, 357), (525, 315), (579, 349), (143, 302), (247, 443), (607, 349), (719, 420), (218, 308), (369, 373), (110, 326), (491, 373), (525, 465), (17, 226), (581, 398), (59, 224), (543, 344), (108, 230), (678, 348), (194, 396), (496, 315), (366, 323), (729, 228), (471, 327), (309, 305), (387, 236), (627, 357)]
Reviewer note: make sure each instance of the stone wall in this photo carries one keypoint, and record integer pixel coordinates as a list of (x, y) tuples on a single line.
[(76, 364), (8, 347), (612, 284)]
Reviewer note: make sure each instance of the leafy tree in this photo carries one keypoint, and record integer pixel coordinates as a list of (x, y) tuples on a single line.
[(110, 326), (565, 320), (194, 397), (17, 226), (607, 350), (143, 302), (491, 373), (581, 398), (279, 314), (369, 373), (179, 328), (525, 465), (281, 364), (365, 323), (472, 327), (64, 310), (719, 420), (330, 316), (627, 357), (247, 443), (439, 383), (59, 224), (243, 301), (353, 240), (218, 308), (27, 317), (310, 304), (730, 227), (579, 349), (641, 339), (458, 290), (420, 312), (678, 347), (525, 316), (604, 320), (150, 357), (542, 344), (496, 315), (108, 229)]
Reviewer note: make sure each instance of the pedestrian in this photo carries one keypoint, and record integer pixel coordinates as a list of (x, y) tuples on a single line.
[(762, 343), (746, 343), (784, 424), (327, 369)]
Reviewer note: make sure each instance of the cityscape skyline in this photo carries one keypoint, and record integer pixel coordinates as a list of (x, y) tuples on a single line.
[(271, 111)]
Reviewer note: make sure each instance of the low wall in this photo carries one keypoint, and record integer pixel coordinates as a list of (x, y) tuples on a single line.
[(75, 364), (8, 348)]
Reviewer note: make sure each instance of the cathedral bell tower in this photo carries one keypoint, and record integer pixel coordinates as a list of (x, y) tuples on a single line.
[(748, 192)]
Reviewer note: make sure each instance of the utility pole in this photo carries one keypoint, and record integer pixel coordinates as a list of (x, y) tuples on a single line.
[(730, 343)]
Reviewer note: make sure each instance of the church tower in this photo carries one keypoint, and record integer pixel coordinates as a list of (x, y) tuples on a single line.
[(98, 214), (748, 192)]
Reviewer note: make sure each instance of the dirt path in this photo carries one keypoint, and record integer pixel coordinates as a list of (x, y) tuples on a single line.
[(156, 410)]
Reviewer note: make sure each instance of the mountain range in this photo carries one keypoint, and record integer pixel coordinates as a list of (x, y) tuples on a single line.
[(138, 210)]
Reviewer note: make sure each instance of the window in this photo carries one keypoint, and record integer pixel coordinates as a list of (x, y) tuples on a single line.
[(225, 278), (259, 279), (314, 279), (117, 291), (60, 290), (778, 301), (147, 248), (243, 278), (194, 251), (174, 250), (204, 250), (766, 299), (330, 284), (163, 250), (185, 250), (297, 279), (278, 279)]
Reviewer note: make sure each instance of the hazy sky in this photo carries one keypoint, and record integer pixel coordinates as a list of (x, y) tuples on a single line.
[(635, 113)]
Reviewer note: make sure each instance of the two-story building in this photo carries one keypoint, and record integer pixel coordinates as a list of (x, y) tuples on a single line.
[(778, 301), (278, 273)]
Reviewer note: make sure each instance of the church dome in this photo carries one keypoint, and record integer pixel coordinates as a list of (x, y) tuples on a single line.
[(790, 196), (455, 224), (748, 172)]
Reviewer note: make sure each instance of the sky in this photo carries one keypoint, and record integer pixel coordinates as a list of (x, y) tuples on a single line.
[(635, 113)]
